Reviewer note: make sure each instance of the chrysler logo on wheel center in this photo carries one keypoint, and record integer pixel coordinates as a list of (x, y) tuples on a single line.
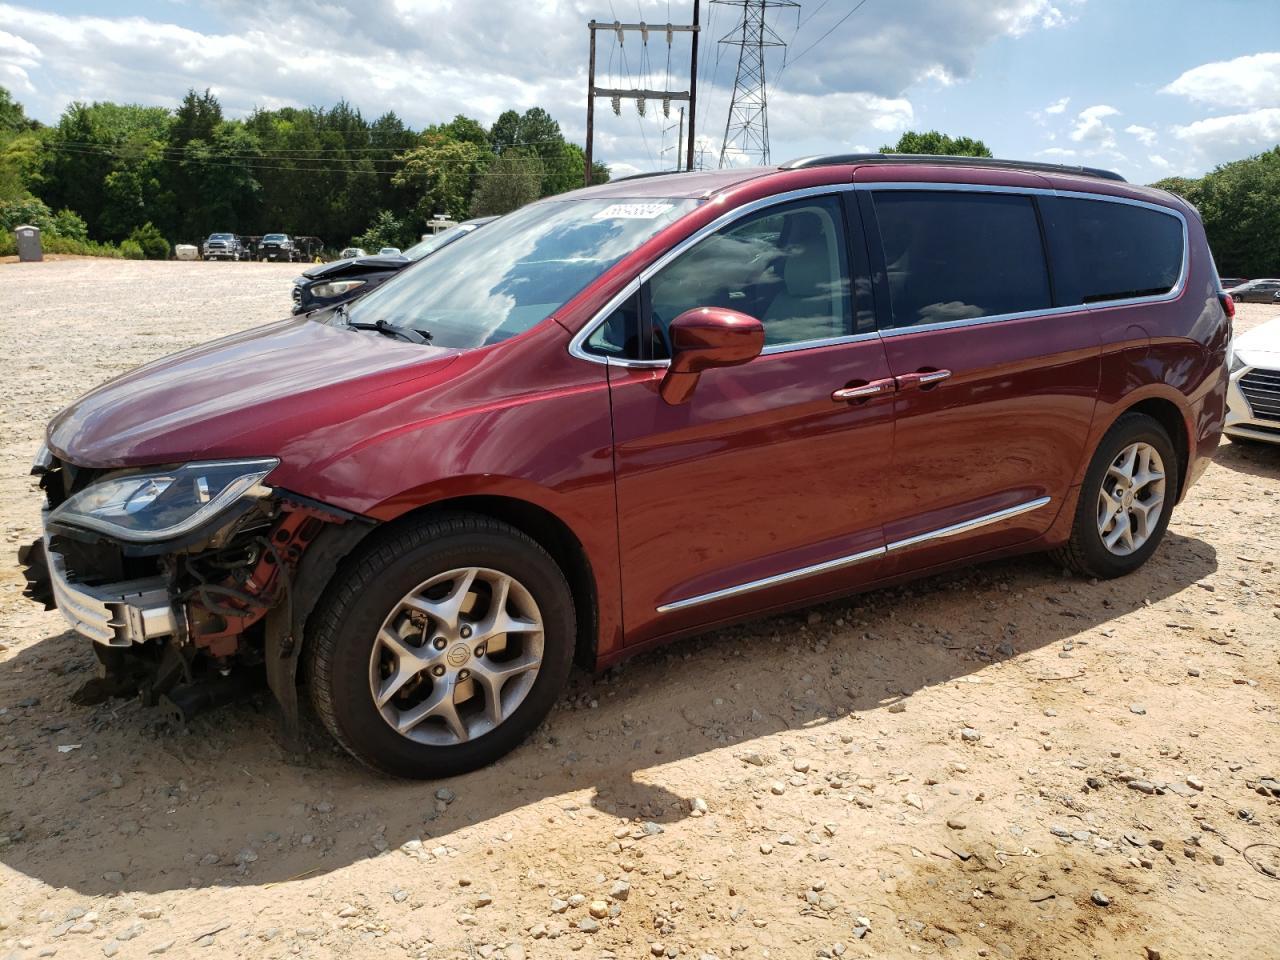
[(458, 655)]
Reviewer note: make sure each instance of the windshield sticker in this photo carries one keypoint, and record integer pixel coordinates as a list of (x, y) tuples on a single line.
[(633, 211)]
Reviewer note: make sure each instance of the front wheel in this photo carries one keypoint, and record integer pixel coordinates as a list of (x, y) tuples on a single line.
[(441, 646), (1125, 502)]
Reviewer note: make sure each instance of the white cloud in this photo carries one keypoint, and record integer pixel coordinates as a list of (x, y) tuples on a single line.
[(1243, 83), (1146, 136), (1159, 162), (1062, 152), (1258, 128), (1052, 110), (1091, 126)]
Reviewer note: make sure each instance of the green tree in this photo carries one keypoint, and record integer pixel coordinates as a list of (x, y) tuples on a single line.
[(937, 144), (26, 211), (151, 240), (69, 224), (1240, 205), (509, 182), (442, 174), (386, 230), (13, 119)]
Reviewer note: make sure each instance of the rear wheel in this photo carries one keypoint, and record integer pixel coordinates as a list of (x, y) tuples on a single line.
[(444, 645), (1125, 502)]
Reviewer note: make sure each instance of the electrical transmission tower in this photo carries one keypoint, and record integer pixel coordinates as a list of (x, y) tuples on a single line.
[(746, 129)]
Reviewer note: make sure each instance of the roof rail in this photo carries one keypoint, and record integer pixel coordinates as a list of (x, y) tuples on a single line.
[(854, 159), (646, 175)]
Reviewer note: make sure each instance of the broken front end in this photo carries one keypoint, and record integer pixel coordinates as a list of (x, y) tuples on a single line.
[(193, 582)]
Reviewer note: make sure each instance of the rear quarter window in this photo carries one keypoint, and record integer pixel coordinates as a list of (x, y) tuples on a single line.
[(1104, 250)]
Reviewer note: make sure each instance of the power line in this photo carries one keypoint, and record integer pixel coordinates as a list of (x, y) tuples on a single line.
[(858, 6)]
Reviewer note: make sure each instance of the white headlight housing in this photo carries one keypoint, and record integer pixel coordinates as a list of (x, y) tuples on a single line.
[(335, 288), (160, 505)]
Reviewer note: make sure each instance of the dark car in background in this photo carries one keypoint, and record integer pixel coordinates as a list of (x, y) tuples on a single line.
[(330, 284), (1255, 291), (225, 246), (277, 246)]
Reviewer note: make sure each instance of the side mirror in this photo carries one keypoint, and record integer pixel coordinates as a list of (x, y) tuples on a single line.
[(704, 338)]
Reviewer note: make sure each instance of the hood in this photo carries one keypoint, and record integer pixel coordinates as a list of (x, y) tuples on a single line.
[(243, 395), (1260, 340), (356, 265)]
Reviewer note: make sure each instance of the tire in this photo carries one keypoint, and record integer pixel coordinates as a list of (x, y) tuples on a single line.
[(1087, 552), (349, 663)]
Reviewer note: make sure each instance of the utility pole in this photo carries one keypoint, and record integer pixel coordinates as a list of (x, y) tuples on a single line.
[(679, 148), (746, 128), (693, 83), (638, 94)]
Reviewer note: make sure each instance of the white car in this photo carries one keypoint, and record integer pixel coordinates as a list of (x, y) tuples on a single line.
[(1253, 395)]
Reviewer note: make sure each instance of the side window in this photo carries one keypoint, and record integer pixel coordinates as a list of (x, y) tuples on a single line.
[(960, 255), (786, 265), (1104, 250)]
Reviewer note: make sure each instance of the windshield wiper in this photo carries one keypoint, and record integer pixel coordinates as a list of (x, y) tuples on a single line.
[(383, 327)]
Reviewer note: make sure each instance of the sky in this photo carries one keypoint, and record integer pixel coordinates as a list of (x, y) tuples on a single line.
[(1150, 88)]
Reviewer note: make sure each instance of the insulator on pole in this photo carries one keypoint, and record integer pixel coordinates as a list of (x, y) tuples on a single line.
[(640, 105), (617, 105), (666, 106)]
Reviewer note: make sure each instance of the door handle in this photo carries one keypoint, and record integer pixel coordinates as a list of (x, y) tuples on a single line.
[(922, 379), (876, 388)]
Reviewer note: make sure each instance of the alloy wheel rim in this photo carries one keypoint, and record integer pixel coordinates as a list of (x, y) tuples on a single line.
[(456, 656), (1131, 499)]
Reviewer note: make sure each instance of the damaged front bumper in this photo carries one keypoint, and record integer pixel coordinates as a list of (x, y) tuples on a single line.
[(114, 614)]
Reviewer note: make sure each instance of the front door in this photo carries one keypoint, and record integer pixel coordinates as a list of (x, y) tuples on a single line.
[(996, 385), (764, 488)]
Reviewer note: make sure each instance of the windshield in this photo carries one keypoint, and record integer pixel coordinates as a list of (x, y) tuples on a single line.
[(273, 238), (432, 244), (516, 271), (221, 236)]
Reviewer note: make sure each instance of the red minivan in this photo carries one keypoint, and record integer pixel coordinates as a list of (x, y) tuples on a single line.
[(628, 414)]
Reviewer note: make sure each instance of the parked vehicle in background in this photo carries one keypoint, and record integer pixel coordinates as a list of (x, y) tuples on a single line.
[(631, 413), (276, 246), (224, 246), (1253, 400), (1229, 282), (1255, 291), (333, 283), (186, 251), (389, 252), (349, 253)]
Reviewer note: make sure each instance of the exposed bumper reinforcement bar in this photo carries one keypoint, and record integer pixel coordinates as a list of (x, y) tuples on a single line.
[(112, 614)]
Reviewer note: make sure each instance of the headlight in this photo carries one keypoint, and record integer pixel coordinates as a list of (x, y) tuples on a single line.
[(162, 505), (1234, 362), (336, 288)]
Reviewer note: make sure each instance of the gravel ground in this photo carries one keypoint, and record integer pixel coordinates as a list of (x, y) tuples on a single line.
[(1005, 762)]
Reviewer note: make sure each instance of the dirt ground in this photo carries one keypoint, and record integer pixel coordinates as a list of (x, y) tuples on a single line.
[(1007, 762)]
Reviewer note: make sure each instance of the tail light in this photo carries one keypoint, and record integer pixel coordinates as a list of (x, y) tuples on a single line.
[(1228, 304)]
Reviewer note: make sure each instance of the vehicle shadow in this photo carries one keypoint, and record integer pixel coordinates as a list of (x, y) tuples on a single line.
[(141, 807), (1253, 458)]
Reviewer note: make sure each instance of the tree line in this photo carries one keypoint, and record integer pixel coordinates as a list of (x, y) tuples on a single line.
[(1240, 205), (108, 174)]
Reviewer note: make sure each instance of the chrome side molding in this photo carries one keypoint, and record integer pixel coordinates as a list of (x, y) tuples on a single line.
[(940, 534), (773, 581), (966, 526)]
